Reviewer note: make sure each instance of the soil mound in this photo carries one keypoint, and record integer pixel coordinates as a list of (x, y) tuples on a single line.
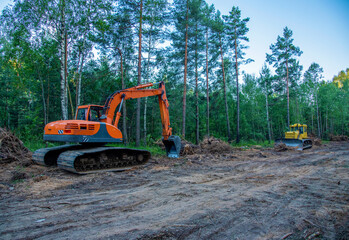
[(281, 147), (338, 138), (12, 149), (214, 145), (317, 141), (187, 148)]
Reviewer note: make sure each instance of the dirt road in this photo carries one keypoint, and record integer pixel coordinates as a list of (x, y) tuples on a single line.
[(255, 194)]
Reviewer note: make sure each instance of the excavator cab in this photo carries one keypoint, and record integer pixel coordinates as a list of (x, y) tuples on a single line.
[(89, 113), (296, 137)]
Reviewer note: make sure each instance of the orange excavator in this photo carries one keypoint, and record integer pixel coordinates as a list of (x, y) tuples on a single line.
[(94, 126)]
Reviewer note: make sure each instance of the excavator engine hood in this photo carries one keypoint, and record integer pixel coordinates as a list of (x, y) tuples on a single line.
[(172, 146)]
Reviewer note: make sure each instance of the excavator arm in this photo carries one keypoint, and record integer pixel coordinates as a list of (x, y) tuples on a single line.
[(117, 99)]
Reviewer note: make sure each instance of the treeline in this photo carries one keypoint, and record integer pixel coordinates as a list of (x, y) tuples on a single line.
[(56, 55)]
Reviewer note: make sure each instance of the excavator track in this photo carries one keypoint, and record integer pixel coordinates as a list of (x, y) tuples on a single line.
[(48, 156), (307, 143), (101, 159)]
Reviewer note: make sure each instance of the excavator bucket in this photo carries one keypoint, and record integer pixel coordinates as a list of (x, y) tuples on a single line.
[(173, 146)]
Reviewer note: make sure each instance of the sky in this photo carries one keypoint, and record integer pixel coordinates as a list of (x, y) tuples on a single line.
[(320, 29)]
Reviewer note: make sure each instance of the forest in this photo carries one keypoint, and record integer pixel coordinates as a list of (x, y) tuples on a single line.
[(58, 54)]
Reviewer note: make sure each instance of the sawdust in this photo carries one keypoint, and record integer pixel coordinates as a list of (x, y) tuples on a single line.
[(160, 168), (41, 185)]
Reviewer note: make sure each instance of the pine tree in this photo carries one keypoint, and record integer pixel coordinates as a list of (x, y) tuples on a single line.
[(155, 19), (207, 21), (312, 78), (266, 81), (236, 31), (219, 47), (283, 52)]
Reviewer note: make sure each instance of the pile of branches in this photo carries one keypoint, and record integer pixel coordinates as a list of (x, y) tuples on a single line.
[(317, 141), (207, 145), (281, 147), (214, 145), (12, 149), (338, 138)]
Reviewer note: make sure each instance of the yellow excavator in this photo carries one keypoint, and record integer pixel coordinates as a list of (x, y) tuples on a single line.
[(296, 137)]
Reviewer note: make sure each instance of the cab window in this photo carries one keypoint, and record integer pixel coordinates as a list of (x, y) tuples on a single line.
[(81, 114), (95, 113), (301, 130)]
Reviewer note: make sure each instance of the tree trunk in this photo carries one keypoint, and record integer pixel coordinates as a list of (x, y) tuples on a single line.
[(225, 91), (78, 89), (312, 121), (207, 88), (43, 99), (48, 98), (297, 109), (124, 121), (237, 92), (76, 75), (268, 121), (7, 109), (83, 54), (196, 85), (63, 46), (148, 73), (271, 127), (124, 110), (185, 72), (288, 95), (138, 117), (318, 117)]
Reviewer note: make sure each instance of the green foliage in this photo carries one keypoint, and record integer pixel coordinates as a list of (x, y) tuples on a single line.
[(342, 78), (30, 67)]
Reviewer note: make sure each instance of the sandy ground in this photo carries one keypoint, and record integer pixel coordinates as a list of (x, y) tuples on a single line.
[(252, 194)]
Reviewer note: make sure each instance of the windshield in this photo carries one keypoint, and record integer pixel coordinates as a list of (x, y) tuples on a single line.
[(81, 114), (95, 113)]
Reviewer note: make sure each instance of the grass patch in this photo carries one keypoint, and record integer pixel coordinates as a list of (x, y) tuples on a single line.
[(250, 143), (34, 145), (18, 181)]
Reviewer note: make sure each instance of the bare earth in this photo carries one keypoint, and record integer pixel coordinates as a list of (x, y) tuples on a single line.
[(252, 194)]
